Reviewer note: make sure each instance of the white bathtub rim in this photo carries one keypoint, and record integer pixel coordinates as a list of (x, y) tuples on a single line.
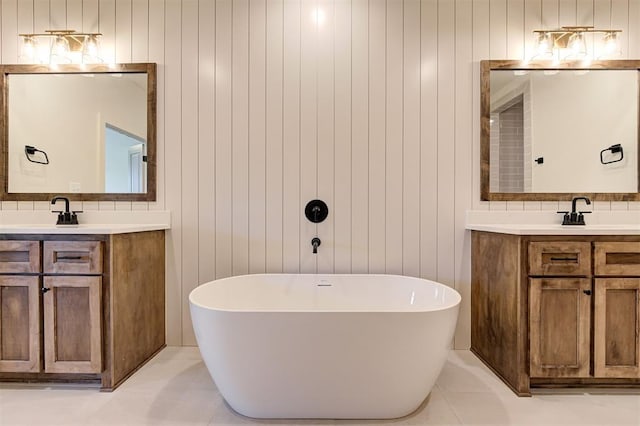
[(454, 293)]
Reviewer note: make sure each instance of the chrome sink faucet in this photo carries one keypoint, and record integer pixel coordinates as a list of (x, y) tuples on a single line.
[(575, 217)]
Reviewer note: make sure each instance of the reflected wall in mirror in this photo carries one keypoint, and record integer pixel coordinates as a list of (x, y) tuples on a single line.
[(86, 132), (549, 133)]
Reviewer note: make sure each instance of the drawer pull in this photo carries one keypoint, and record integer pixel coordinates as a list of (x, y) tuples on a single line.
[(587, 292), (45, 289), (564, 259), (69, 257)]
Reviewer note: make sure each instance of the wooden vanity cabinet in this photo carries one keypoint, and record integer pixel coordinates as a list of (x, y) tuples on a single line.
[(557, 311), (20, 327), (92, 310)]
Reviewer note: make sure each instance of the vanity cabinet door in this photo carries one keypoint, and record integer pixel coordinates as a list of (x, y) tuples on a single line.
[(19, 324), (72, 324), (559, 327), (617, 327)]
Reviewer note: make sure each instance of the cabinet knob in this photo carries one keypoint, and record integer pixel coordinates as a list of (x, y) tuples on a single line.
[(45, 289), (587, 292)]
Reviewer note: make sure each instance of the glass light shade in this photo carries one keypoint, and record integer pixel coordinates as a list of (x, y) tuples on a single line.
[(60, 50), (29, 48), (611, 44), (90, 50), (544, 45), (577, 45)]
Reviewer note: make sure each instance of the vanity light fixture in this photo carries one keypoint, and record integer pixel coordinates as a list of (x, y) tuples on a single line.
[(570, 43), (60, 47)]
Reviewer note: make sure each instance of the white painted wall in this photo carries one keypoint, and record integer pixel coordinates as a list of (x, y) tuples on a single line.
[(376, 111)]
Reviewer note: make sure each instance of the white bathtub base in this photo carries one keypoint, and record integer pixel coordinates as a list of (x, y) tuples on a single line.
[(330, 365)]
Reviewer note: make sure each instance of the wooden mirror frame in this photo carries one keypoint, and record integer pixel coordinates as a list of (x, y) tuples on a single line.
[(148, 68), (485, 110)]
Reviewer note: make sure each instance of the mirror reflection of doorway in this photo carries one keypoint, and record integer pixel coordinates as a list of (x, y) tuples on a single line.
[(125, 170)]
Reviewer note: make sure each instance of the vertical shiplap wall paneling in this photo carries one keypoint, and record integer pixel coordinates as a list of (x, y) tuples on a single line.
[(463, 161), (240, 138), (173, 171), (291, 95), (309, 21), (359, 136), (274, 124), (223, 134), (156, 48), (377, 133), (156, 54), (446, 142), (25, 22), (190, 184), (550, 14), (139, 40), (206, 142), (497, 50), (74, 14), (586, 13), (411, 140), (515, 49), (325, 136), (429, 72), (394, 141), (257, 136), (123, 32), (480, 49), (58, 14), (342, 181)]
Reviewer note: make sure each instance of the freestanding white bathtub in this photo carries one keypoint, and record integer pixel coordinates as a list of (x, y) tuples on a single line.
[(324, 346)]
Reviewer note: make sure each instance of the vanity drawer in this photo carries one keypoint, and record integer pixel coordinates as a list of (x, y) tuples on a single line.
[(617, 258), (19, 256), (560, 258), (73, 257)]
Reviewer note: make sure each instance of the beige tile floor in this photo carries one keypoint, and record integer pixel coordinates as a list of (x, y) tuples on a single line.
[(175, 389)]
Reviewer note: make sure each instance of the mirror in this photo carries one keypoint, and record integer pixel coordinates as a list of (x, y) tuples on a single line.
[(86, 132), (551, 132)]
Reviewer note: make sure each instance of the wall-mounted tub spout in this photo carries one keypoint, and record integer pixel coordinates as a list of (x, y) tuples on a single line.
[(315, 242)]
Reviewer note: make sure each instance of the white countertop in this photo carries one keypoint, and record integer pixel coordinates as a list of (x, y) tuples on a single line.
[(109, 228), (91, 222), (626, 222), (535, 229)]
